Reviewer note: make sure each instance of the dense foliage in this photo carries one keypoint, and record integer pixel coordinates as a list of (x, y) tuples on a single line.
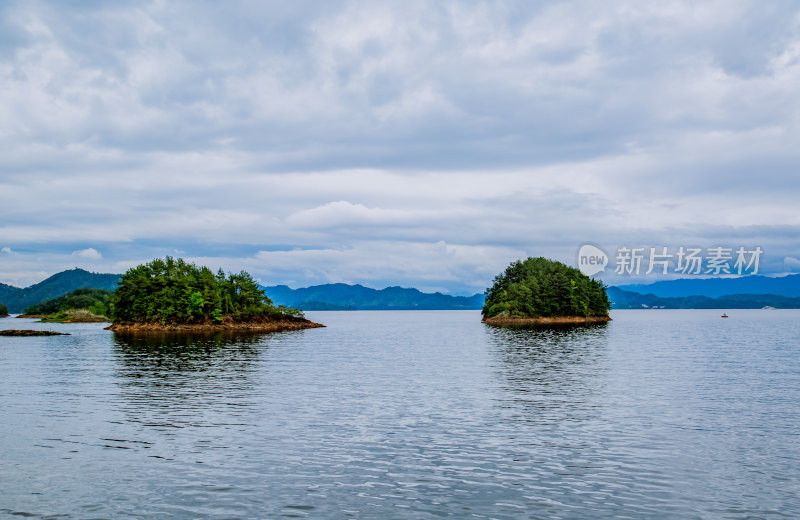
[(540, 287), (3, 310), (173, 291), (94, 300)]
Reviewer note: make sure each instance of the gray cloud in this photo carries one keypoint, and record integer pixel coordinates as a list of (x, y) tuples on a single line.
[(336, 137)]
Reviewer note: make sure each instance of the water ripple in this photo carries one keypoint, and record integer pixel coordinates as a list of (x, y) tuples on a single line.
[(408, 415)]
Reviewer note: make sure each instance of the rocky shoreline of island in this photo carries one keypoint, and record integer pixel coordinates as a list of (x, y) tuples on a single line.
[(286, 323), (546, 320)]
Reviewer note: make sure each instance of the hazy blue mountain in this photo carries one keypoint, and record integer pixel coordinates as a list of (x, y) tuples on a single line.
[(9, 293), (321, 297), (17, 299), (621, 299), (340, 296), (715, 287), (716, 293)]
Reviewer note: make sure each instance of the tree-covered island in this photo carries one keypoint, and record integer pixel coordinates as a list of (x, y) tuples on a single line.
[(174, 295), (3, 310), (541, 291)]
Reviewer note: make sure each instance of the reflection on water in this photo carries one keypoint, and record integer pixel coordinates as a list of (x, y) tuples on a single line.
[(178, 380), (551, 372), (162, 352)]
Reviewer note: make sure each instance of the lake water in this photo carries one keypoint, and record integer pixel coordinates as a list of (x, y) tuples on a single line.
[(659, 414)]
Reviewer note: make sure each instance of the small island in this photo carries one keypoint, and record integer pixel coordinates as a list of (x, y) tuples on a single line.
[(3, 310), (177, 296), (27, 332), (538, 291)]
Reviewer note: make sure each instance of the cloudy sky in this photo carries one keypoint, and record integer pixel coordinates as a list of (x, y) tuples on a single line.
[(423, 144)]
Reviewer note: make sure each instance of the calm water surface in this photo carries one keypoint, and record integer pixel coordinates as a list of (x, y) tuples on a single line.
[(660, 414)]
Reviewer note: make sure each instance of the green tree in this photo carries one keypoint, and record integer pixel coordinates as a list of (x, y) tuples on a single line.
[(98, 308), (3, 310), (538, 287), (175, 291)]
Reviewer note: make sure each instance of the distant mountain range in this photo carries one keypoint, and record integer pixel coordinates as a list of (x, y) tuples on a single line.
[(337, 296), (751, 292), (340, 296), (632, 300), (17, 299), (716, 287)]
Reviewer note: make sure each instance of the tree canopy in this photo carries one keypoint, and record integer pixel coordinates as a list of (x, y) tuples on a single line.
[(538, 287), (3, 310), (95, 300), (171, 291)]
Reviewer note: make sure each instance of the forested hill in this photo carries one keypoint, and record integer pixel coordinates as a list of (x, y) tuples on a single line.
[(632, 300), (340, 296), (17, 299), (788, 285)]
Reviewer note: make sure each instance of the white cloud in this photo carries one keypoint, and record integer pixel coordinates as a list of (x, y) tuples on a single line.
[(792, 264), (344, 214), (88, 254), (6, 250)]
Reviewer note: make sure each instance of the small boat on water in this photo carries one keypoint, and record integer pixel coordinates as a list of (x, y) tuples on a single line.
[(724, 315)]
